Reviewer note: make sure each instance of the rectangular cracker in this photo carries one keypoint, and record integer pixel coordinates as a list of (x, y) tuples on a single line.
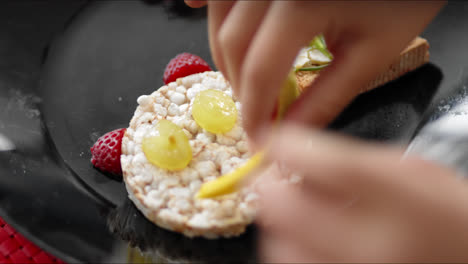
[(413, 56)]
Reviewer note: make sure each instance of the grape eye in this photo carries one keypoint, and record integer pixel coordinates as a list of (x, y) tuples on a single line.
[(214, 111), (170, 149)]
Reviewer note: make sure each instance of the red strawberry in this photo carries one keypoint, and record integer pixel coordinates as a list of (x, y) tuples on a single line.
[(106, 152), (183, 65)]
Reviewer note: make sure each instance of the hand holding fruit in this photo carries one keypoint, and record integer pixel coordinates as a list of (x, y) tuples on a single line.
[(254, 44), (360, 203)]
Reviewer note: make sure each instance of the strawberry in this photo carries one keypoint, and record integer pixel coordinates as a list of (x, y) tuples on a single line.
[(183, 65), (106, 152)]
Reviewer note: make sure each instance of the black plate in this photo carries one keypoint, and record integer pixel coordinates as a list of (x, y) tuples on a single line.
[(112, 52)]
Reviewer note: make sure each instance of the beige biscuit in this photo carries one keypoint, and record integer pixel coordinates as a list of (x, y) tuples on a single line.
[(413, 56)]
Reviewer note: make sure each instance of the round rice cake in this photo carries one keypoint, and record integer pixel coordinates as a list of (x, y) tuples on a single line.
[(167, 197)]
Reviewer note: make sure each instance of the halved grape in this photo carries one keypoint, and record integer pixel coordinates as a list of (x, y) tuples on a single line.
[(214, 111), (169, 149)]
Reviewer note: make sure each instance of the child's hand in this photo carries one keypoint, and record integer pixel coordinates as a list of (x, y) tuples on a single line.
[(361, 203), (254, 44), (196, 3)]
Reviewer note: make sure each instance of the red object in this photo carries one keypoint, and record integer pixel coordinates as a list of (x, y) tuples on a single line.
[(183, 65), (14, 248), (106, 152)]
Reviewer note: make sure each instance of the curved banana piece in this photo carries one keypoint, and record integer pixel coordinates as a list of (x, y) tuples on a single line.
[(228, 183)]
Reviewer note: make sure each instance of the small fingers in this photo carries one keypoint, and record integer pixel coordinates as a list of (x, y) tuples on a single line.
[(269, 59), (394, 200), (298, 218), (217, 12), (332, 160), (195, 3), (278, 249), (236, 34)]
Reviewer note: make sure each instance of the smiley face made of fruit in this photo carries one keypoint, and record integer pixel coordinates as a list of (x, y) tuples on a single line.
[(185, 142), (213, 110)]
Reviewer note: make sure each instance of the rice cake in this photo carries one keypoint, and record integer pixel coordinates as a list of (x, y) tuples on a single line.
[(167, 198)]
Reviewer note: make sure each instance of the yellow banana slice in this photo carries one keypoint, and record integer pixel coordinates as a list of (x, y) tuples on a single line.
[(229, 183)]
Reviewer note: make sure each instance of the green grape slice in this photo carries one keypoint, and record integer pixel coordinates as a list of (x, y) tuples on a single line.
[(169, 149), (214, 111)]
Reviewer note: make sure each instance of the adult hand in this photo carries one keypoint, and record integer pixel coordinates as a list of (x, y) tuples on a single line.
[(254, 44), (360, 203)]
